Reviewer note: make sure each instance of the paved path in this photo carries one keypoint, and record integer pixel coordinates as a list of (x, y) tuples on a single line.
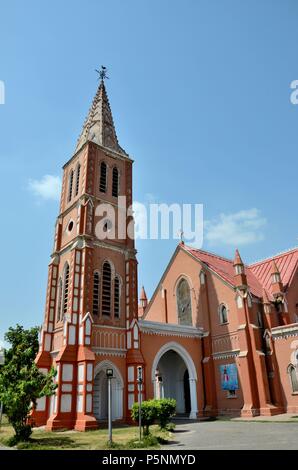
[(234, 435)]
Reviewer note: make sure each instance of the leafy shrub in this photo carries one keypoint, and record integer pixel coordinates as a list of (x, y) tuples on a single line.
[(154, 410), (148, 414), (166, 410)]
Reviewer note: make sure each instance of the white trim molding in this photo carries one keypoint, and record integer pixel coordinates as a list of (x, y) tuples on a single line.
[(284, 332), (109, 352), (226, 354), (170, 329)]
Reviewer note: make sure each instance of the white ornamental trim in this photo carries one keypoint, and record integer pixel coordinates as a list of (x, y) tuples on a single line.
[(170, 329), (109, 352), (284, 332), (226, 355)]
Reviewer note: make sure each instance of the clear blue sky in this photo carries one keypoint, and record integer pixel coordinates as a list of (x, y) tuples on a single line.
[(200, 92)]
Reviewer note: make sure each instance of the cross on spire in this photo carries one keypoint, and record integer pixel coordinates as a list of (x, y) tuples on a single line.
[(102, 73)]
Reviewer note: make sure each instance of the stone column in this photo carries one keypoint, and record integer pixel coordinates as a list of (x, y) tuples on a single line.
[(193, 398)]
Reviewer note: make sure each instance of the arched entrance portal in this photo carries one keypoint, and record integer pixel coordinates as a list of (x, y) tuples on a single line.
[(100, 394), (174, 376)]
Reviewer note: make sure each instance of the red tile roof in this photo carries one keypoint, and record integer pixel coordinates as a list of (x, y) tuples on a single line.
[(286, 262), (258, 274)]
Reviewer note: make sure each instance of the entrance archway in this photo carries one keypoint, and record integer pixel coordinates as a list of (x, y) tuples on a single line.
[(100, 392), (174, 376)]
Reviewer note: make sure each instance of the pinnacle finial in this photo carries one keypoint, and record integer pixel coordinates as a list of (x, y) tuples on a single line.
[(102, 73), (237, 259)]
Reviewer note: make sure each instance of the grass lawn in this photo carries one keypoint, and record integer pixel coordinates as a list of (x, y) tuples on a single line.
[(89, 440)]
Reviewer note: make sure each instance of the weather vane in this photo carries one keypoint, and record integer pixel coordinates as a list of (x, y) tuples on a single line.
[(102, 73)]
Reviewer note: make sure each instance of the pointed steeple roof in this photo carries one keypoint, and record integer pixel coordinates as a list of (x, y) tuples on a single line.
[(237, 259), (143, 295), (99, 125), (274, 268)]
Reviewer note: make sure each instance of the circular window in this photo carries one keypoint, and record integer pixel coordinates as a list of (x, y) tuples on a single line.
[(70, 226)]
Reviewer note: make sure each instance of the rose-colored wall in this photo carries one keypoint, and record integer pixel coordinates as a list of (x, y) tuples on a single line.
[(151, 344), (286, 353), (224, 337), (292, 298)]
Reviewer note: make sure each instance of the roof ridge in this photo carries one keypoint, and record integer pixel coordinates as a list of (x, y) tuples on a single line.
[(210, 253), (270, 258)]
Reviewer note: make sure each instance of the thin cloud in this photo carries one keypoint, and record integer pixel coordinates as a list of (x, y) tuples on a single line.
[(240, 228), (47, 188)]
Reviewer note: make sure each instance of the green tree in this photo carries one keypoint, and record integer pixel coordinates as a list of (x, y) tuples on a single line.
[(149, 414), (161, 410), (166, 409), (21, 383)]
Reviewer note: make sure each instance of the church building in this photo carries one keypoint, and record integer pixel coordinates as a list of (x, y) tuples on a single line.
[(219, 336)]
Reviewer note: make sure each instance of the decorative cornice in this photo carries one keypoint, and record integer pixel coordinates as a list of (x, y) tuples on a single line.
[(91, 242), (169, 329), (226, 354), (109, 152), (96, 325), (109, 352), (285, 331)]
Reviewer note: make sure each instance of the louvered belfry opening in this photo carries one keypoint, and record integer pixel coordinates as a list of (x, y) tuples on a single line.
[(70, 186), (103, 178), (66, 288), (59, 313), (96, 294), (117, 298), (78, 179), (115, 182), (106, 289)]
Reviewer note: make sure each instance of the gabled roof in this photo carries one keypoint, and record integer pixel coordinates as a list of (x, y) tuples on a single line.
[(224, 268), (286, 263), (99, 125), (258, 274)]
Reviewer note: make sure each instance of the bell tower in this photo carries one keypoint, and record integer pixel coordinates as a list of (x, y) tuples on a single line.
[(91, 312)]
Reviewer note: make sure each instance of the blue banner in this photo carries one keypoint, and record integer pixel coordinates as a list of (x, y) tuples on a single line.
[(229, 377)]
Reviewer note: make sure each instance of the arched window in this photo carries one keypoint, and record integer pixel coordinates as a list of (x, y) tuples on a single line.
[(223, 314), (78, 179), (59, 305), (117, 297), (70, 186), (293, 378), (96, 293), (115, 182), (103, 178), (106, 289), (65, 288), (184, 303)]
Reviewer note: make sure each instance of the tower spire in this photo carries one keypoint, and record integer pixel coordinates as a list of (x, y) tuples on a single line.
[(99, 125)]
